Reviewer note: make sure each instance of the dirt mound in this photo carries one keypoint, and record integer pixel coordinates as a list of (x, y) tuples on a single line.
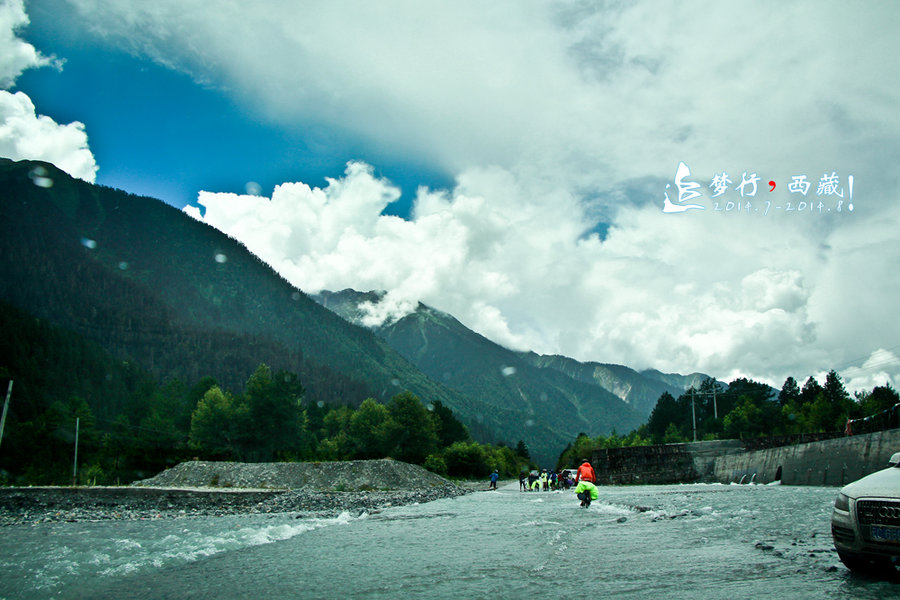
[(355, 475)]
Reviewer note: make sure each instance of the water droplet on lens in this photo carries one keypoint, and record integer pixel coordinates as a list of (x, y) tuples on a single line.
[(253, 188), (39, 177)]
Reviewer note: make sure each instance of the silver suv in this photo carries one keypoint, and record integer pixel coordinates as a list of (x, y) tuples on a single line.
[(865, 522)]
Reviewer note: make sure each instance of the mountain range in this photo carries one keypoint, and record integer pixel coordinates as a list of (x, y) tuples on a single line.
[(152, 285)]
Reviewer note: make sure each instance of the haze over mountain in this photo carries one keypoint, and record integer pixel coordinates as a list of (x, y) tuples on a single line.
[(569, 394), (154, 286)]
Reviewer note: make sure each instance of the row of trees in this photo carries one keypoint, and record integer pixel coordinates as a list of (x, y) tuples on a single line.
[(270, 420), (748, 409), (744, 409)]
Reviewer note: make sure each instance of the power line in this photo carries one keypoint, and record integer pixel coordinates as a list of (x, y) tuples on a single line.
[(861, 360)]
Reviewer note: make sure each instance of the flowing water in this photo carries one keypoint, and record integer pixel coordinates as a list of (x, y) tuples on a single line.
[(672, 542)]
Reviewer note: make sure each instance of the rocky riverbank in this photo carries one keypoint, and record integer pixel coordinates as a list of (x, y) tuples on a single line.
[(190, 490)]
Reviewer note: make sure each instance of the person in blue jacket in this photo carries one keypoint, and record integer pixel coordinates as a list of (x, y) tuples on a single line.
[(494, 477)]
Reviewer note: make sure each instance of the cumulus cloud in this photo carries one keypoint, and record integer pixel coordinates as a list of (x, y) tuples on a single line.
[(23, 133), (880, 368), (553, 117), (26, 135), (517, 268), (16, 55)]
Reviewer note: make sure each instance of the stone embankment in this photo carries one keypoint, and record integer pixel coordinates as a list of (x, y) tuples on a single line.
[(830, 462), (198, 488)]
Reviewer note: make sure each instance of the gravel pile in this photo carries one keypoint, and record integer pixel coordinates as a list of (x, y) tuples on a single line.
[(187, 490), (346, 476)]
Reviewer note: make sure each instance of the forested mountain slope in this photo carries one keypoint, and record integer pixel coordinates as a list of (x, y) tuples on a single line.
[(152, 285)]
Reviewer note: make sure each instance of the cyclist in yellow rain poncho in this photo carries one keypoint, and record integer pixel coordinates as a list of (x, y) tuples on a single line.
[(586, 492)]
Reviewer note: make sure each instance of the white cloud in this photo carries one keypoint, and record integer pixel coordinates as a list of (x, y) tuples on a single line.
[(882, 367), (23, 133), (27, 135), (593, 95), (16, 55), (553, 116), (517, 269)]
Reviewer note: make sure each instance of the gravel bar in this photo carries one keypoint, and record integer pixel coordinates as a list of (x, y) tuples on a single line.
[(174, 494)]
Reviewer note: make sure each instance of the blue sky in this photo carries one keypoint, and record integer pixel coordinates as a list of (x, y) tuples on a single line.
[(508, 162), (156, 132)]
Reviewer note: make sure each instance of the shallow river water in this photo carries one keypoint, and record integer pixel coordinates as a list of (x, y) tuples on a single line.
[(672, 542)]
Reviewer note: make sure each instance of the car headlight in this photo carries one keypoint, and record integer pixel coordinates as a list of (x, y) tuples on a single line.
[(842, 502)]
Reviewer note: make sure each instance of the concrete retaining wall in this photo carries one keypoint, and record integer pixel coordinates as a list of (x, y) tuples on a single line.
[(829, 462), (833, 462), (661, 464), (643, 464)]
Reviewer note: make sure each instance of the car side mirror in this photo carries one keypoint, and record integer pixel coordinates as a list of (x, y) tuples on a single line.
[(895, 460)]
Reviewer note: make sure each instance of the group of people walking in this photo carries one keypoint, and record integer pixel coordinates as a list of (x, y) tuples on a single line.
[(584, 482), (544, 481)]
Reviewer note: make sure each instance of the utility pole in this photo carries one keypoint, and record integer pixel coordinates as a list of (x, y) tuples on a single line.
[(5, 408), (695, 393), (694, 413), (715, 409), (75, 466)]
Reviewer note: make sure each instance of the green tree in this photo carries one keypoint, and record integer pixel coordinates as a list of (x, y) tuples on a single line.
[(175, 403), (818, 415), (214, 423), (276, 419), (746, 420), (159, 441), (811, 390), (834, 389), (665, 413), (436, 464), (337, 421), (673, 435), (790, 392), (337, 443), (410, 431), (880, 399), (368, 429), (448, 428), (504, 459), (466, 459), (581, 448), (522, 450)]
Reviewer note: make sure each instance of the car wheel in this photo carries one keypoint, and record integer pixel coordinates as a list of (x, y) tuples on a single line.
[(867, 566), (855, 563)]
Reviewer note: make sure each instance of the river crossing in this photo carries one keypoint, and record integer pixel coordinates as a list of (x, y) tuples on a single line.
[(672, 542)]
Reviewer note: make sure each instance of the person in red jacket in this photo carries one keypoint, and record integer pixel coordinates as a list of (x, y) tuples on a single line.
[(585, 472)]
